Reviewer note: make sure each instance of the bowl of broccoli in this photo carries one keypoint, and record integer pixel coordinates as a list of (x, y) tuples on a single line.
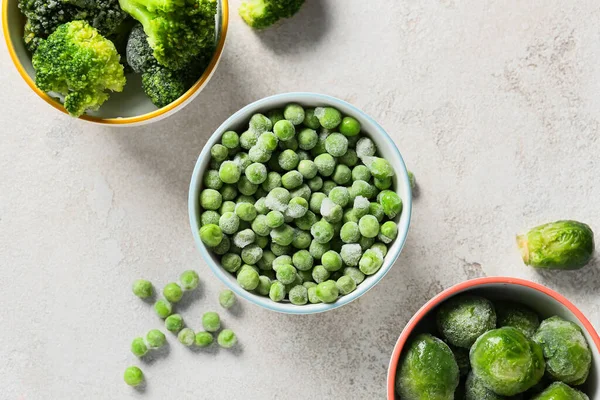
[(300, 203), (496, 338), (119, 62)]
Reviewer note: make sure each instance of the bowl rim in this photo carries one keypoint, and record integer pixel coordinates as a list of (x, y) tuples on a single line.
[(288, 308), (445, 294), (144, 118)]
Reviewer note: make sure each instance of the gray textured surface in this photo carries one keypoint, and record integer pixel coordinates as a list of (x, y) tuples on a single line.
[(494, 105)]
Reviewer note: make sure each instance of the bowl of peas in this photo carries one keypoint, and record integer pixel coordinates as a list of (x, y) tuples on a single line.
[(300, 203)]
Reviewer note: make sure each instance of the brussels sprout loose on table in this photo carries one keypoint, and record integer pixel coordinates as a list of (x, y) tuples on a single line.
[(557, 245)]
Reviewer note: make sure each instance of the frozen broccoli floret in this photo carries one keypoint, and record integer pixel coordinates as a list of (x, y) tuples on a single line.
[(506, 361), (568, 355), (462, 319), (518, 316), (427, 370), (260, 14), (79, 63), (557, 245), (561, 391)]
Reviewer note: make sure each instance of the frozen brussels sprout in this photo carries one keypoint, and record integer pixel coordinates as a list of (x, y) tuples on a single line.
[(568, 356), (461, 355), (518, 316), (427, 370), (462, 319), (476, 390), (561, 391), (506, 361), (557, 245)]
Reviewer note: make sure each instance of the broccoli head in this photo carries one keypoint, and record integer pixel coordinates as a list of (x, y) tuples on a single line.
[(177, 30), (44, 16), (260, 14), (79, 63)]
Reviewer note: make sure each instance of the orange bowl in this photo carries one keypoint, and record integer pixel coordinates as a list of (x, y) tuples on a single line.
[(545, 301)]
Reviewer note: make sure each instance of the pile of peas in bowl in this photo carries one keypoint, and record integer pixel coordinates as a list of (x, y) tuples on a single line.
[(299, 207)]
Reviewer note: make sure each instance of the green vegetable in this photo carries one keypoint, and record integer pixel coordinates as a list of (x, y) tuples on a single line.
[(506, 361), (462, 319), (177, 31), (142, 289), (80, 64), (427, 370), (227, 298), (227, 338), (461, 355), (186, 337), (189, 280), (476, 390), (172, 292), (155, 339), (327, 291), (567, 353), (557, 245), (138, 347), (174, 323), (203, 339), (260, 14), (211, 322), (133, 376), (163, 308), (518, 316), (560, 391)]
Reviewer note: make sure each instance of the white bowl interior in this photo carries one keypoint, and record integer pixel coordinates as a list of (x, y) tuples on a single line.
[(387, 149), (546, 306), (131, 102)]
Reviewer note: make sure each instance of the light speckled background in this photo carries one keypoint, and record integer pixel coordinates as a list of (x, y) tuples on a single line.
[(494, 105)]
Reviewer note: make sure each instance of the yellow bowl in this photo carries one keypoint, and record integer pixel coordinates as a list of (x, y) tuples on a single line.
[(130, 107)]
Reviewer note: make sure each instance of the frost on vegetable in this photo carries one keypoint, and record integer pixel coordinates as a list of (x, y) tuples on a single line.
[(462, 319), (560, 391)]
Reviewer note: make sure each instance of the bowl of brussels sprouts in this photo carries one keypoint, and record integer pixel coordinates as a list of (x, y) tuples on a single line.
[(496, 338), (300, 203)]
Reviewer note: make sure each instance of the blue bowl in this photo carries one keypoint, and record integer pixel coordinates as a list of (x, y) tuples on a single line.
[(370, 128)]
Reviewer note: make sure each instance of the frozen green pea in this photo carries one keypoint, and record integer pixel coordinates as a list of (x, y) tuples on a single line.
[(155, 339), (325, 164), (259, 154), (331, 212), (274, 219), (222, 247), (302, 260), (260, 227), (380, 247), (342, 174), (210, 199), (345, 285), (256, 173), (388, 232), (369, 226), (278, 199), (231, 262), (138, 347), (310, 119), (279, 250), (211, 235), (133, 376), (362, 188), (262, 241), (203, 339), (303, 155), (211, 322), (281, 260), (242, 160), (247, 278), (244, 238), (186, 337), (320, 274), (261, 206), (251, 254), (226, 206), (366, 243), (354, 273), (286, 274), (306, 276), (283, 235), (275, 115), (291, 144), (350, 216), (328, 187), (351, 254), (163, 308), (412, 180), (209, 217), (297, 207), (294, 113), (174, 323), (328, 117), (288, 160), (273, 181), (327, 291), (172, 292), (376, 210), (229, 192), (349, 126), (309, 284), (339, 195), (284, 130), (267, 141), (264, 285), (380, 167), (219, 152), (226, 339), (365, 147), (214, 164), (227, 298), (332, 261), (317, 249), (277, 291), (211, 180), (266, 261), (312, 295), (245, 211), (142, 288), (391, 203), (259, 123), (306, 221), (350, 232), (307, 169), (336, 144), (229, 172), (229, 223), (349, 159), (307, 139), (301, 240), (370, 262), (316, 201), (230, 139), (322, 231), (361, 173), (189, 279), (298, 295), (248, 139), (315, 183), (361, 206), (383, 184), (291, 179), (302, 191), (245, 187)]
